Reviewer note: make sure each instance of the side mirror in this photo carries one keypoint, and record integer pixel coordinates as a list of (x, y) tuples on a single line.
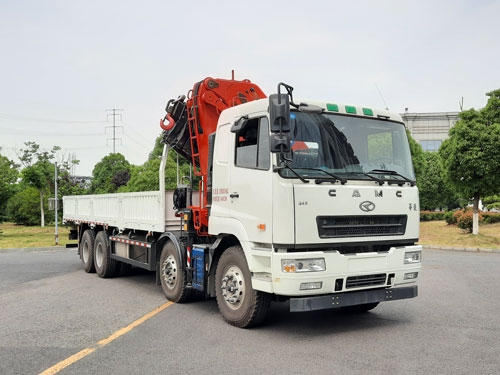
[(279, 113), (239, 125), (280, 142)]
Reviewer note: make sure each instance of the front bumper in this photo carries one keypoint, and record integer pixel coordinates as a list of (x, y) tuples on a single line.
[(331, 301)]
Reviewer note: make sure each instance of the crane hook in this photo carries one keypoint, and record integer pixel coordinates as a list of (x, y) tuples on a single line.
[(169, 125)]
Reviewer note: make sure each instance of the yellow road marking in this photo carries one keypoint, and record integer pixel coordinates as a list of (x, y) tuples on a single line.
[(85, 352)]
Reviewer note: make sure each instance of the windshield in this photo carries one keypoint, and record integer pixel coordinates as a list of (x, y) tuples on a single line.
[(351, 147)]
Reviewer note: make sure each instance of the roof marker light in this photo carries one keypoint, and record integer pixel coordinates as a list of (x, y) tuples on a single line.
[(350, 109), (332, 107), (367, 112)]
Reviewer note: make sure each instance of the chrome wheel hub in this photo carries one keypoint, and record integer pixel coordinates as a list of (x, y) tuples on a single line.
[(233, 287), (169, 271)]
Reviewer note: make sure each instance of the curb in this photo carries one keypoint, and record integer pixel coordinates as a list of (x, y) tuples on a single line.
[(462, 249), (50, 249)]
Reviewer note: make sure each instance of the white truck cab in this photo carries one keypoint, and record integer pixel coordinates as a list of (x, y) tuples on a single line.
[(343, 215)]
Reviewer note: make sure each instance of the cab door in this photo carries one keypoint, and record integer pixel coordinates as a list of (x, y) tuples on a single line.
[(250, 185)]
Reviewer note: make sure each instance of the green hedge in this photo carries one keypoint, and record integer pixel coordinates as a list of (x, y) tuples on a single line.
[(491, 217), (453, 217), (432, 215)]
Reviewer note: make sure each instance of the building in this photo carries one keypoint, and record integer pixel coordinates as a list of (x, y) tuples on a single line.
[(430, 129)]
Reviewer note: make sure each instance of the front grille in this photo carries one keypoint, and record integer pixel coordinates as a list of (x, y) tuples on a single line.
[(361, 226), (365, 281)]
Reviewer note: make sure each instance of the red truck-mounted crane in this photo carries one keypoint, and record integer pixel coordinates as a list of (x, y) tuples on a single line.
[(196, 119)]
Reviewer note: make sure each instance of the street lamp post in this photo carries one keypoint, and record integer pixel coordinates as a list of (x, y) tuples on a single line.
[(56, 234)]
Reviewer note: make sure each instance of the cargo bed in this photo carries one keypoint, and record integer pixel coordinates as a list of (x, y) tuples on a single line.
[(140, 211)]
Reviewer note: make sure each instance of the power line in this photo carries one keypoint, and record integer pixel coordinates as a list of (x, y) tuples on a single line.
[(382, 97), (136, 141), (13, 117), (11, 131)]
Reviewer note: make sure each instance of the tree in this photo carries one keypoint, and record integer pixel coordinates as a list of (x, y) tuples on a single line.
[(146, 176), (109, 174), (157, 150), (417, 156), (38, 171), (492, 202), (9, 174), (68, 185), (23, 208), (143, 178), (434, 192), (471, 156)]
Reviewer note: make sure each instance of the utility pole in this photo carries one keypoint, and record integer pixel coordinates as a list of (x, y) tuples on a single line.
[(114, 114), (56, 234)]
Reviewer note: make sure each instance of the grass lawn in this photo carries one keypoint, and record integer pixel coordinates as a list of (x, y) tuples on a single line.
[(436, 233), (19, 236), (440, 234)]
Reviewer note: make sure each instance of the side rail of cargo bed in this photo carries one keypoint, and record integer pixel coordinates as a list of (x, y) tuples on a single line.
[(140, 211)]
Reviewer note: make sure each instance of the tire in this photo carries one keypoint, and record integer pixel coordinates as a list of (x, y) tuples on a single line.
[(239, 303), (172, 276), (104, 266), (359, 309), (87, 250)]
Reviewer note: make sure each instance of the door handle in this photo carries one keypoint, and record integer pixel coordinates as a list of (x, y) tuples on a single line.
[(234, 195)]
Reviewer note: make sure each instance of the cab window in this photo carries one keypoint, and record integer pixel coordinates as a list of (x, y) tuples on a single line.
[(252, 144)]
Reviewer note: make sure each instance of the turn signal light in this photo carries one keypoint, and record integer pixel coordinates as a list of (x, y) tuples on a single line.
[(303, 265)]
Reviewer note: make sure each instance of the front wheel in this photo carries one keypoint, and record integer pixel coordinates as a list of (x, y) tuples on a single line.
[(239, 303)]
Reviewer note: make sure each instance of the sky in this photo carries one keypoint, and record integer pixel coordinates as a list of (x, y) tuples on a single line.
[(65, 65)]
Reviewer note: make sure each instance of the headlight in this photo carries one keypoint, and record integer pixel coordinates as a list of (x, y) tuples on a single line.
[(303, 265), (413, 257)]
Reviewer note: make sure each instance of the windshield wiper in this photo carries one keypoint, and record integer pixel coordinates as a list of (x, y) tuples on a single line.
[(378, 180), (332, 175), (392, 173), (286, 166)]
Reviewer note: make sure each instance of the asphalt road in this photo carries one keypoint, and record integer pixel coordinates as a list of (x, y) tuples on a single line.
[(50, 310)]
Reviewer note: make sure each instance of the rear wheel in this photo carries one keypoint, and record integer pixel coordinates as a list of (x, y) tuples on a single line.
[(87, 250), (172, 276), (105, 266), (239, 303)]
